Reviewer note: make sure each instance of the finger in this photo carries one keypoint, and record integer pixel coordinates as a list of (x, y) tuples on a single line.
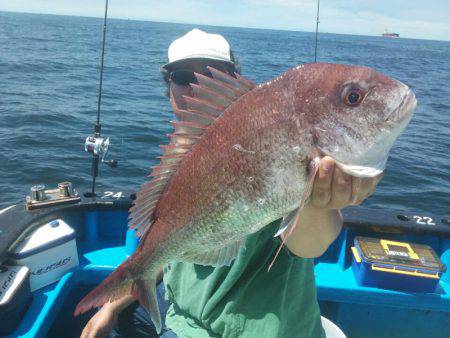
[(341, 189), (325, 174), (86, 330), (321, 193), (375, 182), (361, 189)]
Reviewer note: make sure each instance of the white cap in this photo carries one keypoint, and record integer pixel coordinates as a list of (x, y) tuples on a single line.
[(197, 44)]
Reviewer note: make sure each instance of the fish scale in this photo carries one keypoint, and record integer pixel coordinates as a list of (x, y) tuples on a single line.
[(237, 192), (244, 156)]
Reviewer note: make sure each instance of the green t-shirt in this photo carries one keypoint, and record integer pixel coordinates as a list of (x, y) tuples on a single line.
[(244, 299)]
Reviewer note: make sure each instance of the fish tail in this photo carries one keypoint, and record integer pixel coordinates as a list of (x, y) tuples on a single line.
[(115, 286), (144, 290), (118, 285)]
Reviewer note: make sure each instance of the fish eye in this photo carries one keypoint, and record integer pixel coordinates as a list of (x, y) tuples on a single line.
[(353, 96)]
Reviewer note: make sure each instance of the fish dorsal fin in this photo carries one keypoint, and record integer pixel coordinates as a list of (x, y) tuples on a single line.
[(240, 83), (210, 97)]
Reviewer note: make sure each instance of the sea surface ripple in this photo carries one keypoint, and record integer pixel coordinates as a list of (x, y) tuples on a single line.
[(49, 71)]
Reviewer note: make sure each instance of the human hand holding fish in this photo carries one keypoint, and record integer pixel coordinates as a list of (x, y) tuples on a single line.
[(319, 223), (335, 189)]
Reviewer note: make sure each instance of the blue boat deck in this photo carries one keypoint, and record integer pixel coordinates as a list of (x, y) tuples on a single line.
[(103, 243)]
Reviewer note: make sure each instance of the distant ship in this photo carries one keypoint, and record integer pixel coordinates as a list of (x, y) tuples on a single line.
[(391, 35)]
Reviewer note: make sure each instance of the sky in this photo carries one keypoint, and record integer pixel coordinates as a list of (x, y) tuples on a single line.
[(429, 19)]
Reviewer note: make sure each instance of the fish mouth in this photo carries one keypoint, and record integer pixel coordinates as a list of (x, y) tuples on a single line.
[(404, 109)]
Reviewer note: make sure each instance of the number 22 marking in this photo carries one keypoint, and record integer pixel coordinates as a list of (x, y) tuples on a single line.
[(424, 220)]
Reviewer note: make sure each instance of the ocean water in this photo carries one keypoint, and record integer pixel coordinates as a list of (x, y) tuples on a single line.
[(49, 69)]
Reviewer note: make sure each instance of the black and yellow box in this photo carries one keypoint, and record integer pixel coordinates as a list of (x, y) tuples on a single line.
[(395, 265)]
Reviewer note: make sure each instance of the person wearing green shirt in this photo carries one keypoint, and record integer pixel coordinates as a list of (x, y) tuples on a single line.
[(243, 299)]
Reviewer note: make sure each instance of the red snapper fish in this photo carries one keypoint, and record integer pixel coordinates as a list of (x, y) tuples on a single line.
[(242, 156)]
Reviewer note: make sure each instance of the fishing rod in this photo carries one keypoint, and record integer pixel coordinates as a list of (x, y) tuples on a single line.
[(317, 30), (101, 65), (96, 145)]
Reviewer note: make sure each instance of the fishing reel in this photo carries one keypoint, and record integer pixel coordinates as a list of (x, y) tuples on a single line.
[(98, 146)]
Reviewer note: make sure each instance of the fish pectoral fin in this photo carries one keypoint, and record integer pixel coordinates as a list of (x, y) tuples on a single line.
[(219, 257), (287, 222)]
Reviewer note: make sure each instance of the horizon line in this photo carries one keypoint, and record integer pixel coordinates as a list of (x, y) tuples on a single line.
[(211, 25)]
